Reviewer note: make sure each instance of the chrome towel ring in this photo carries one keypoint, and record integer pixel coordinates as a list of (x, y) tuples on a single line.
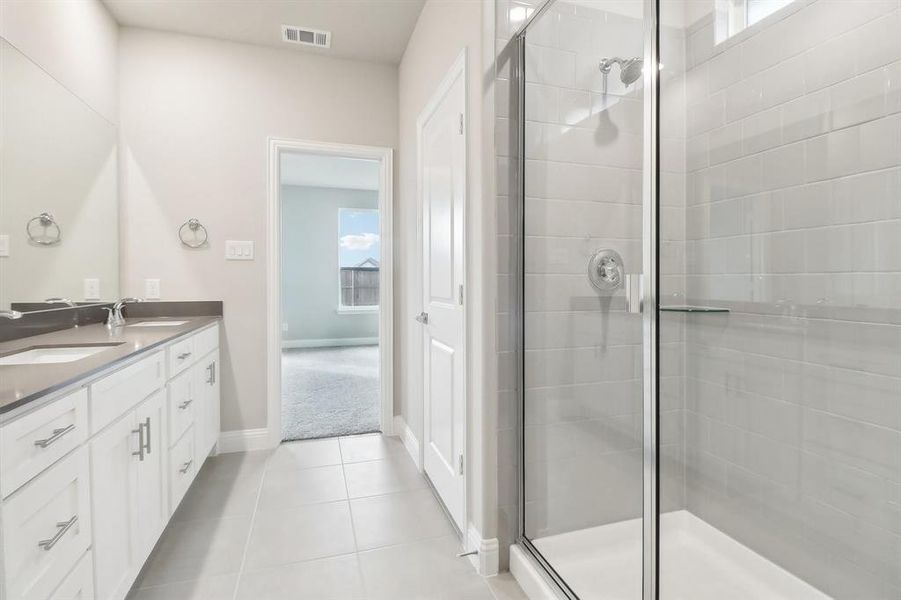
[(46, 221), (194, 226)]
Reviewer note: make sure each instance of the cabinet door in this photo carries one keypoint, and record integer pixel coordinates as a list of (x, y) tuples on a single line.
[(79, 584), (206, 376), (151, 496), (114, 454)]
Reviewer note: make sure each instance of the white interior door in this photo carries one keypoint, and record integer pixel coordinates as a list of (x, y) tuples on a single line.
[(442, 186)]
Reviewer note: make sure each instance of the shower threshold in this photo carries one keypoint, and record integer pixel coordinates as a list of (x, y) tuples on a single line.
[(697, 562)]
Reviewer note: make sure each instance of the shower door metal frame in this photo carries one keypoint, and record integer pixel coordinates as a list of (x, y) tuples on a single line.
[(650, 278)]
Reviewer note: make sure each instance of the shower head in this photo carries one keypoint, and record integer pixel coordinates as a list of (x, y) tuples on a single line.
[(629, 68)]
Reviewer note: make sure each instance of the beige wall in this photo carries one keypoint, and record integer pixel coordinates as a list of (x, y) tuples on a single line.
[(82, 55), (444, 28), (195, 117)]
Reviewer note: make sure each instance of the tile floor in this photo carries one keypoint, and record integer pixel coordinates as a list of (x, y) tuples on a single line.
[(342, 518)]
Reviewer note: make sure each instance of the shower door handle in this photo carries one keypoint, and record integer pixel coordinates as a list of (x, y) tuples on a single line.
[(423, 318)]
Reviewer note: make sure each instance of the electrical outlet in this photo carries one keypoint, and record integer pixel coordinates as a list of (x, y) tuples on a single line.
[(92, 289), (152, 289)]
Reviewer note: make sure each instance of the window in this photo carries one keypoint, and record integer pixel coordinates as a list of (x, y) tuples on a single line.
[(358, 259), (733, 16)]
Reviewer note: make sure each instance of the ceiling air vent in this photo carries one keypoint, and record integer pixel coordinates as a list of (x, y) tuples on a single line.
[(306, 37)]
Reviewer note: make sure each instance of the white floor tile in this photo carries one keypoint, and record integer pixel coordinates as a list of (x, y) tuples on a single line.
[(235, 465), (303, 455), (336, 578), (359, 448), (393, 474), (289, 489), (398, 518), (302, 533), (422, 570), (197, 550), (300, 544), (219, 498), (218, 587)]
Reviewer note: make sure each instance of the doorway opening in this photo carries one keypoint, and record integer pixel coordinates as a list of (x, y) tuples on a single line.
[(330, 282)]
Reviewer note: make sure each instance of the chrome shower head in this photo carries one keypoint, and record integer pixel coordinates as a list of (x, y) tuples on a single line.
[(629, 68)]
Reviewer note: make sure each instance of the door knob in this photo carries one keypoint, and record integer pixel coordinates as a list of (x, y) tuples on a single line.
[(423, 318)]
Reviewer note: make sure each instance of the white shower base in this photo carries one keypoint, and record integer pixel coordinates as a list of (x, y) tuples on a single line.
[(698, 562)]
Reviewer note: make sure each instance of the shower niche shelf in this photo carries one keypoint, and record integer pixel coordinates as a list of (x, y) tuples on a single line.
[(694, 309)]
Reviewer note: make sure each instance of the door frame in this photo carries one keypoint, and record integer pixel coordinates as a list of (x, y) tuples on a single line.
[(456, 71), (385, 156)]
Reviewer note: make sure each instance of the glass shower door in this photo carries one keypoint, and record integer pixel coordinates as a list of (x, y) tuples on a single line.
[(583, 342)]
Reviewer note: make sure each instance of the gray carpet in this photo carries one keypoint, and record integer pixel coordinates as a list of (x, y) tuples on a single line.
[(329, 391)]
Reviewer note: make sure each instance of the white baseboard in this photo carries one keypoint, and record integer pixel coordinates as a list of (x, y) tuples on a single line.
[(410, 442), (488, 558), (243, 440), (330, 342)]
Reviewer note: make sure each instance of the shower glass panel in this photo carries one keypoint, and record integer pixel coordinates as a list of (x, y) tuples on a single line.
[(582, 328), (781, 407)]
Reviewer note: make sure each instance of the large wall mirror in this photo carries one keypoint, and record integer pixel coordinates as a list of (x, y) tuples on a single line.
[(59, 216)]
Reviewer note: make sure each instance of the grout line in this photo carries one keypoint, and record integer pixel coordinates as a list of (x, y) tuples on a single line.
[(350, 510), (253, 518)]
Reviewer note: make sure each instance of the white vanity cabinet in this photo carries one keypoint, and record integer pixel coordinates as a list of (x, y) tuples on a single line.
[(89, 481)]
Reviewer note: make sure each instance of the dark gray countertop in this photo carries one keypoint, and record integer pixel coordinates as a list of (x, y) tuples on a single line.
[(22, 384)]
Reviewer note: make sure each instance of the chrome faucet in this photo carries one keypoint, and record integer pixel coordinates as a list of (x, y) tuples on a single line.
[(65, 301), (10, 314), (115, 311)]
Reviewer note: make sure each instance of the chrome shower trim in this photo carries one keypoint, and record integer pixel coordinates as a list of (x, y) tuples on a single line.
[(649, 315)]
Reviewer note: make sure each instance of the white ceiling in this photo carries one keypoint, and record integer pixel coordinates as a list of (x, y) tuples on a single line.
[(329, 171), (372, 30)]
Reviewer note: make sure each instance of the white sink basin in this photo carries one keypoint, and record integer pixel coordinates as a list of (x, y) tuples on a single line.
[(157, 324), (53, 354)]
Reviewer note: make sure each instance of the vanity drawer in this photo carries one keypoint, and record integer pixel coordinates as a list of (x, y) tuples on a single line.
[(79, 583), (46, 528), (182, 405), (206, 341), (182, 468), (35, 441), (181, 355), (115, 394)]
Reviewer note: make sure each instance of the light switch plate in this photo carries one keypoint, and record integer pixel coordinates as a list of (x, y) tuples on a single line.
[(4, 245), (238, 250), (152, 289), (92, 289)]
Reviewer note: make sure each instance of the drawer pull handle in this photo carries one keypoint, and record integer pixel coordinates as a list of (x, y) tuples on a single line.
[(64, 526), (211, 368), (147, 429), (57, 433), (186, 467), (185, 404), (184, 355), (141, 445)]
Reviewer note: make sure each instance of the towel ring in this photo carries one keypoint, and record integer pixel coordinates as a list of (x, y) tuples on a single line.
[(46, 220), (193, 225)]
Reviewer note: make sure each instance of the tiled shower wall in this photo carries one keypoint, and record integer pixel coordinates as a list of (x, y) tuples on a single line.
[(793, 400)]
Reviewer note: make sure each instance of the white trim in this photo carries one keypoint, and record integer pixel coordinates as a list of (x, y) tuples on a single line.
[(458, 70), (488, 558), (411, 443), (330, 342), (242, 440), (385, 156)]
